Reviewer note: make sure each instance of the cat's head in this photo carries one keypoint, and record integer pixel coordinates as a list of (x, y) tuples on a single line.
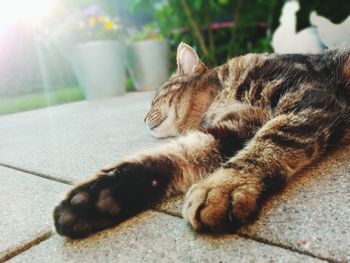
[(180, 102)]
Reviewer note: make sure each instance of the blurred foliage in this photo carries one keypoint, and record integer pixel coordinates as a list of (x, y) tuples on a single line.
[(148, 31), (39, 100), (109, 6), (129, 84), (191, 22), (95, 27)]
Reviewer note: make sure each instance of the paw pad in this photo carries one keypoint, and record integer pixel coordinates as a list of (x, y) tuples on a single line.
[(79, 199), (66, 218), (106, 203)]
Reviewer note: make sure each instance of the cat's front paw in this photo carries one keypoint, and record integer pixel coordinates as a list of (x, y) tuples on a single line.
[(224, 201), (111, 197), (89, 207), (85, 212)]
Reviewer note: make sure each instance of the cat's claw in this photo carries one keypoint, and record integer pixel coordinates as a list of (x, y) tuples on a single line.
[(221, 202)]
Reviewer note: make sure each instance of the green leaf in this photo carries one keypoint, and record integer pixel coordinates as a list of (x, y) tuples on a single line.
[(223, 2)]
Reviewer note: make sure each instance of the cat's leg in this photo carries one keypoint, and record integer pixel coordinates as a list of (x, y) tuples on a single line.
[(123, 189), (231, 196), (130, 186)]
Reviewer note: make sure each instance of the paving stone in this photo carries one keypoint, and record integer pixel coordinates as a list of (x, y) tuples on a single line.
[(172, 205), (312, 214), (26, 204), (72, 141), (156, 237)]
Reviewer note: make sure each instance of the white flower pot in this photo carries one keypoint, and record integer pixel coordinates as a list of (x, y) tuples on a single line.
[(148, 63), (100, 68)]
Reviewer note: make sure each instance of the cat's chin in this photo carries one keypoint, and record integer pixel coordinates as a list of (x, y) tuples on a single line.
[(164, 131), (162, 136)]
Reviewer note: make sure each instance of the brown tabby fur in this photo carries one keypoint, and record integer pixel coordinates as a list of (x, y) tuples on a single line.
[(247, 127)]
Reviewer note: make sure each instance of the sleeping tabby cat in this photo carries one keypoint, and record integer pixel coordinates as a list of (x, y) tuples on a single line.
[(245, 128)]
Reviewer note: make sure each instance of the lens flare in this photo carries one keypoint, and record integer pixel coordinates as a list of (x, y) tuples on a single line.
[(30, 12)]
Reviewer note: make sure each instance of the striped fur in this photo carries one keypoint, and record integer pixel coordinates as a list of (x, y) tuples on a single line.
[(245, 128)]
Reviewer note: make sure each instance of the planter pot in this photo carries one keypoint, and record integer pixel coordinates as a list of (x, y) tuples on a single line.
[(100, 68), (148, 63)]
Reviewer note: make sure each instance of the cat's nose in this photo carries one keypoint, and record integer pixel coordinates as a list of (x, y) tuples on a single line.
[(147, 122)]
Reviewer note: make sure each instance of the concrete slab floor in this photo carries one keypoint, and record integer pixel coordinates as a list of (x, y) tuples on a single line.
[(156, 237), (71, 142), (26, 203)]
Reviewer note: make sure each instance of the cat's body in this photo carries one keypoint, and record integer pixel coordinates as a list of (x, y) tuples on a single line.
[(247, 127)]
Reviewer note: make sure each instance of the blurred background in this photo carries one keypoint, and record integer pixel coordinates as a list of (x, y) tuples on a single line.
[(59, 51)]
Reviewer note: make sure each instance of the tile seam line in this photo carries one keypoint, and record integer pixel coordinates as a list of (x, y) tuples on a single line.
[(34, 242), (264, 241), (286, 247), (38, 174)]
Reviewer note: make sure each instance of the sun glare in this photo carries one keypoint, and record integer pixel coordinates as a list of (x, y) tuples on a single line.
[(31, 12)]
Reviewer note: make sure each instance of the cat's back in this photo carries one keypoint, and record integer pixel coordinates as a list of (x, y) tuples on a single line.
[(262, 79)]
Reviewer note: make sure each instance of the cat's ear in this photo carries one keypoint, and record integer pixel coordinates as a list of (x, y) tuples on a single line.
[(188, 60)]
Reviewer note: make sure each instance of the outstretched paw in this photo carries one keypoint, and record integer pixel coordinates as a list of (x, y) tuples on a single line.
[(88, 208), (222, 202), (109, 198)]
